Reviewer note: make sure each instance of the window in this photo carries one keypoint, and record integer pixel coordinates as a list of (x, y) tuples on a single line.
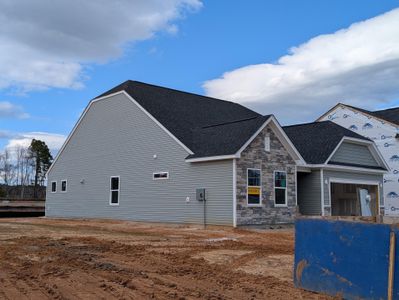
[(114, 190), (280, 188), (54, 186), (267, 144), (253, 187), (160, 175), (64, 186)]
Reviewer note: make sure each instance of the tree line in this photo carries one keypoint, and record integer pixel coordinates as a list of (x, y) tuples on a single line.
[(24, 167)]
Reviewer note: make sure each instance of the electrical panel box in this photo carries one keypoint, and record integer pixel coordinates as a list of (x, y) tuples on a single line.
[(200, 195)]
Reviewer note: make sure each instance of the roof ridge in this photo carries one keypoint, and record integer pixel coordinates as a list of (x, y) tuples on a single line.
[(232, 122), (184, 92)]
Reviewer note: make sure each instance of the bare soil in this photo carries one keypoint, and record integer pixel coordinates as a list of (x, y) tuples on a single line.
[(100, 259)]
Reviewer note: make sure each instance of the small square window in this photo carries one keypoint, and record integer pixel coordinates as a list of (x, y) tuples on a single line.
[(160, 175)]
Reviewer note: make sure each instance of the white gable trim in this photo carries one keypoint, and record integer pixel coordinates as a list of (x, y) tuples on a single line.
[(104, 98), (280, 135), (370, 145), (356, 110)]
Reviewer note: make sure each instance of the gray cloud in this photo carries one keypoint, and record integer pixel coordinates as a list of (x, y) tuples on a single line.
[(45, 43)]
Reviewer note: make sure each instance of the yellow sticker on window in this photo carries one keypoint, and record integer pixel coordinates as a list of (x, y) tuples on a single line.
[(253, 190)]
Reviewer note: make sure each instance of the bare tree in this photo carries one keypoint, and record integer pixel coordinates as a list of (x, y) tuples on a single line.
[(7, 169), (24, 168)]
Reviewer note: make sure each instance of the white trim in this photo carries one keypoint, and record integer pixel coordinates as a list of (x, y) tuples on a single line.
[(322, 191), (66, 186), (350, 140), (211, 158), (51, 187), (160, 178), (234, 193), (370, 146), (106, 97), (357, 110), (259, 186), (353, 181), (286, 188), (111, 190), (280, 134), (346, 168), (360, 182)]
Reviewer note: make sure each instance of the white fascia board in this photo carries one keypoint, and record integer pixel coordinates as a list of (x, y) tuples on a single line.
[(212, 158), (281, 135), (378, 156), (346, 168), (370, 145), (328, 112), (106, 97)]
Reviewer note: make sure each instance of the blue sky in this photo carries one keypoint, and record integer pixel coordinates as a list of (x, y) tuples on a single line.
[(193, 44)]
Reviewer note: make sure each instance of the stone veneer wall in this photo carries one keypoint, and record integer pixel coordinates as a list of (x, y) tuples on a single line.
[(278, 159)]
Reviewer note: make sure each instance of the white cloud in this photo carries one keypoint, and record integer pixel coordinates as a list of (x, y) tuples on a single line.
[(46, 43), (358, 65), (9, 110), (53, 141)]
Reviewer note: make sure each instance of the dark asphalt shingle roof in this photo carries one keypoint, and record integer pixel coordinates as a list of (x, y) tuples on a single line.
[(207, 126), (316, 141), (390, 114), (225, 139)]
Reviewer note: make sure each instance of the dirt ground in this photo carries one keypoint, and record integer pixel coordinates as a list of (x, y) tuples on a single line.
[(96, 259)]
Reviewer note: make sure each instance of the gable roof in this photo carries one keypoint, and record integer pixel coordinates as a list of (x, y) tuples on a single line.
[(207, 126), (389, 115), (316, 141), (226, 138)]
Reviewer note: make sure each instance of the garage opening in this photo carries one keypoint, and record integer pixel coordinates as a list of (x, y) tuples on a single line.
[(349, 199)]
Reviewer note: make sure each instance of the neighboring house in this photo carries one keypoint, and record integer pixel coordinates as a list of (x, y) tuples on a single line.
[(339, 162), (381, 126), (144, 152)]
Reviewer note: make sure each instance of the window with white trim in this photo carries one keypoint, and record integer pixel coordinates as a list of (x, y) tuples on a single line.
[(54, 186), (267, 143), (63, 186), (254, 186), (114, 190), (280, 188), (160, 175)]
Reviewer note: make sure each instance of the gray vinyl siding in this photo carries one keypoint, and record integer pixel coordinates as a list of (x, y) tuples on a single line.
[(349, 176), (354, 154), (116, 138), (309, 193)]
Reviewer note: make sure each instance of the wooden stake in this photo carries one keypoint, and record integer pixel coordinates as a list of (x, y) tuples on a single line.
[(391, 265)]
